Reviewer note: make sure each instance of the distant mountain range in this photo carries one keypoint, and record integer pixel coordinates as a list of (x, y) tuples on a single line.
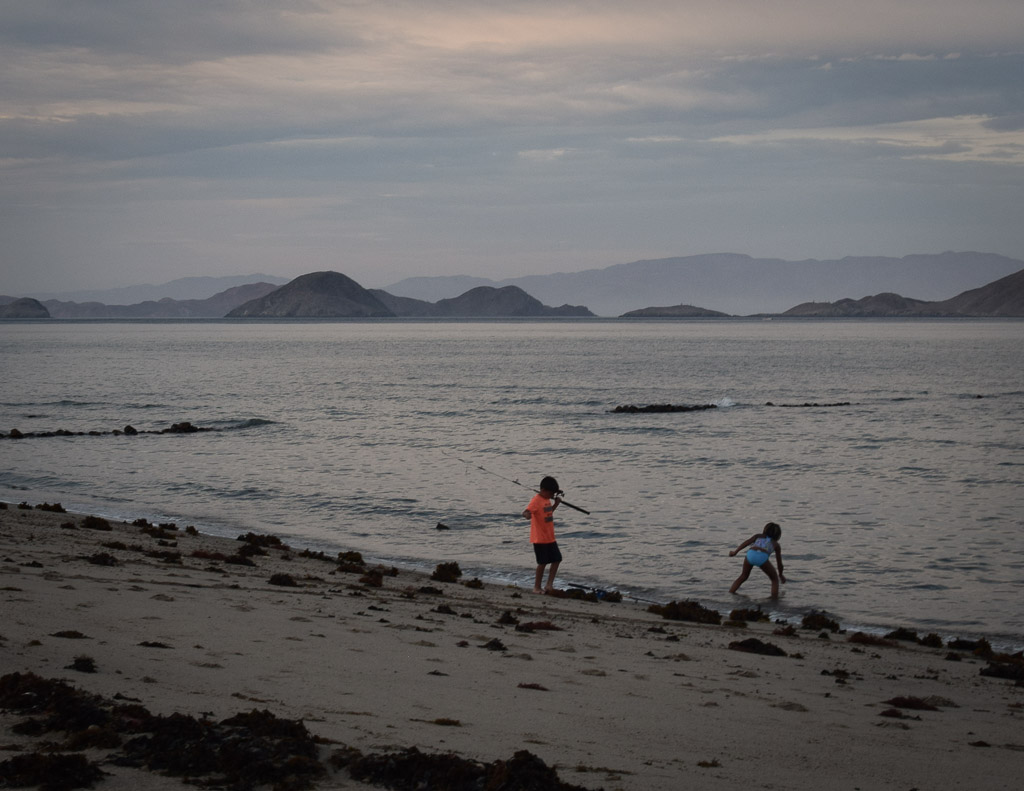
[(332, 294), (185, 288), (738, 284)]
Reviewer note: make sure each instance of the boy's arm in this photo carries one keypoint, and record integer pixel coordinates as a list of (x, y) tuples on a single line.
[(778, 559)]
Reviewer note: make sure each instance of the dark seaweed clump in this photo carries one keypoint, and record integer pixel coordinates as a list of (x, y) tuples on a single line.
[(410, 770), (446, 572), (754, 646), (49, 771), (686, 611), (818, 621), (241, 753)]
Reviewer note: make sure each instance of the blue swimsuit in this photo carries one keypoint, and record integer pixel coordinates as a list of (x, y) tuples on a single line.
[(760, 552)]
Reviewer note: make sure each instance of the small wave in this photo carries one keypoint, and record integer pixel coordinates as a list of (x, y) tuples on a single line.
[(253, 422)]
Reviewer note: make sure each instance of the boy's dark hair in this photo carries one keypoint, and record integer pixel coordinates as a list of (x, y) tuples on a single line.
[(549, 484), (773, 531)]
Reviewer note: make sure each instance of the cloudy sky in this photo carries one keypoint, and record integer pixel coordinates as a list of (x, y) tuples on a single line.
[(146, 140)]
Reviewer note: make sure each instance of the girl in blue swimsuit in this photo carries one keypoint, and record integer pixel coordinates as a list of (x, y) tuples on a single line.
[(761, 547)]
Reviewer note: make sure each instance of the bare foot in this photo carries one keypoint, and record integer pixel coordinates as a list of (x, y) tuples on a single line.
[(538, 591)]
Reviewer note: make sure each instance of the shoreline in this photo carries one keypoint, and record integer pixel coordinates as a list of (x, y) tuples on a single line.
[(607, 694), (1003, 641)]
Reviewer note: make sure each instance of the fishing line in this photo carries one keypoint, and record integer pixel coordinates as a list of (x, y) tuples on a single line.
[(509, 480)]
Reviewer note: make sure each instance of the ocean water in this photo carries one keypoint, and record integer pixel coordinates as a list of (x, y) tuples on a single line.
[(900, 495)]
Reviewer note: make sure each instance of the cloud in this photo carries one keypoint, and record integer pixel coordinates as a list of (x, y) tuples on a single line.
[(420, 134)]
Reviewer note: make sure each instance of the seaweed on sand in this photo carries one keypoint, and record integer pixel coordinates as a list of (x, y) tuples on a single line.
[(410, 769), (819, 620), (754, 646), (686, 611), (50, 772), (446, 572)]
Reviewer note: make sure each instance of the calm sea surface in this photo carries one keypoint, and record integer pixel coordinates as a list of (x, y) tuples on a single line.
[(903, 508)]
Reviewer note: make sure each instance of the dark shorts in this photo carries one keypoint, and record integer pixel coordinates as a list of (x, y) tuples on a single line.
[(547, 553)]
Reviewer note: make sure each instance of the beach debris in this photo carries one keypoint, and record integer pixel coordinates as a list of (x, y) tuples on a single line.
[(475, 584), (56, 508), (411, 769), (241, 752), (1004, 666), (538, 626), (754, 646), (980, 647), (862, 638), (83, 664), (633, 409), (153, 644), (494, 645), (911, 702), (102, 559), (262, 541), (96, 523), (686, 611), (50, 771), (840, 675), (71, 634), (508, 619), (788, 630), (446, 572), (538, 687), (907, 635), (712, 764), (816, 620), (284, 580)]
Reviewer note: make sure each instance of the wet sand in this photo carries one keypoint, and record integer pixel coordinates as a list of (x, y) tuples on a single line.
[(608, 694)]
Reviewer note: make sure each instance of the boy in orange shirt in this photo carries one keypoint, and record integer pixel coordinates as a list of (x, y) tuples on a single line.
[(540, 512)]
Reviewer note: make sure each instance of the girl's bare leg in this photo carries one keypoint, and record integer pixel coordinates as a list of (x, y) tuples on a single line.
[(742, 577), (769, 569)]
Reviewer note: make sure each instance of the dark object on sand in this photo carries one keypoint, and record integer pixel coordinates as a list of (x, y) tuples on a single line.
[(55, 771), (686, 611), (754, 646), (411, 769), (446, 572), (819, 620)]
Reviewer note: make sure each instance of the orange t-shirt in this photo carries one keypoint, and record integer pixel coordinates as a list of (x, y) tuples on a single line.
[(542, 520)]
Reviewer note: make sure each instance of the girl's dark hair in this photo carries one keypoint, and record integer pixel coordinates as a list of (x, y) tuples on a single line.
[(773, 531)]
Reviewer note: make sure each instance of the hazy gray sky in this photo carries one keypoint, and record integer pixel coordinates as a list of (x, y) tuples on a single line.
[(145, 140)]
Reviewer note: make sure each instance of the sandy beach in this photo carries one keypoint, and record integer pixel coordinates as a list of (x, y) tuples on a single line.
[(374, 662)]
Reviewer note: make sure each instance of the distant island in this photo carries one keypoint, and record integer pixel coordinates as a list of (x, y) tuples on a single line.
[(1002, 298), (334, 295)]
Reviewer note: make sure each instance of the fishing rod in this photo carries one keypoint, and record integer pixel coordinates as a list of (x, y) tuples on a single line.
[(517, 483)]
